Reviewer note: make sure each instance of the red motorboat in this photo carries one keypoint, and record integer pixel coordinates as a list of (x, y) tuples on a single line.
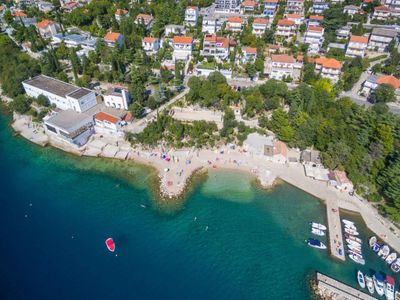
[(110, 244)]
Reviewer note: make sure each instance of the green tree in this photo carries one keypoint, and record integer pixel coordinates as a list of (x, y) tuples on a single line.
[(383, 94), (20, 104)]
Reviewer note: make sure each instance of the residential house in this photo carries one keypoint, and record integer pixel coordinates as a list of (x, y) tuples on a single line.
[(146, 20), (318, 7), (343, 32), (117, 97), (286, 28), (75, 40), (63, 95), (380, 39), (357, 46), (281, 65), (113, 38), (227, 6), (314, 37), (217, 47), (270, 7), (259, 26), (68, 7), (191, 15), (69, 126), (296, 18), (339, 180), (107, 121), (45, 7), (295, 7), (183, 46), (249, 55), (47, 28), (394, 5), (235, 24), (382, 13), (374, 81), (150, 44), (171, 30), (248, 6), (351, 10), (121, 13), (328, 68), (20, 16), (315, 20), (267, 147), (211, 25)]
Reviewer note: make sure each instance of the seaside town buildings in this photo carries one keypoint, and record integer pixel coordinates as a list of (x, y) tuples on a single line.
[(117, 97), (227, 6), (267, 147), (314, 37), (112, 39), (259, 26), (182, 46), (286, 29), (211, 25), (215, 46), (297, 19), (235, 24), (318, 7), (357, 46), (380, 39), (121, 13), (191, 15), (150, 44), (281, 65), (315, 20), (328, 68), (171, 30), (144, 19), (295, 7), (382, 13), (248, 6), (47, 28), (249, 54), (374, 81), (63, 95), (270, 7)]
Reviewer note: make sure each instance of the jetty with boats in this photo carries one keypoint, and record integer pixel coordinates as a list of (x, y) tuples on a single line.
[(335, 290), (335, 230)]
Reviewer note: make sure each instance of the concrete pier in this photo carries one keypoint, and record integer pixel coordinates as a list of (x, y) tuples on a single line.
[(337, 290), (335, 230)]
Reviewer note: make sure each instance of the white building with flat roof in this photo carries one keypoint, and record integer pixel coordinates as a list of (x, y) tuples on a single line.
[(191, 15), (211, 25), (61, 94), (117, 97)]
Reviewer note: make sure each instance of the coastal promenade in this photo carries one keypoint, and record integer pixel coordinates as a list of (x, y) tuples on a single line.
[(337, 290), (175, 172)]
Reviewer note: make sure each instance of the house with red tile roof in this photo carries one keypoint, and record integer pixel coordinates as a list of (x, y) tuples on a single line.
[(121, 13), (295, 7), (145, 19), (281, 65), (107, 121), (314, 37), (249, 55), (374, 81), (248, 6), (47, 28), (259, 26), (113, 38), (235, 24), (340, 180), (151, 44), (286, 28), (357, 46), (216, 46), (296, 18), (183, 46), (382, 13), (328, 68)]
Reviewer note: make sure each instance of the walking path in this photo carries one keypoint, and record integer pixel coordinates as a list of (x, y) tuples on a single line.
[(337, 290), (335, 230)]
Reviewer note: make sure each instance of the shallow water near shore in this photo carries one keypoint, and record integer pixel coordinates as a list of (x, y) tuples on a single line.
[(228, 240)]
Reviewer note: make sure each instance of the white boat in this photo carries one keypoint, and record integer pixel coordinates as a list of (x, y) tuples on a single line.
[(391, 258), (315, 243), (389, 291), (317, 231), (318, 226), (360, 279), (354, 243), (357, 258), (395, 266), (355, 249), (347, 222), (379, 284), (351, 231), (352, 227), (384, 251), (370, 284), (353, 238), (372, 240)]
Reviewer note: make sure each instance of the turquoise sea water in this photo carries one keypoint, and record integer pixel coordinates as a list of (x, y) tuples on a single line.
[(229, 240)]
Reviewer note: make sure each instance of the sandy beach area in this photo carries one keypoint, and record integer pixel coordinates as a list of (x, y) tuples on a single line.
[(176, 167)]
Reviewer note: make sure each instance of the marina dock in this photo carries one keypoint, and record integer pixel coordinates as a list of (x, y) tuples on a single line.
[(335, 230), (336, 290)]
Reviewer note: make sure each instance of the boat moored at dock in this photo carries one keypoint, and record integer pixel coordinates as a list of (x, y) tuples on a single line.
[(360, 279), (391, 258), (379, 284), (389, 291), (316, 244), (318, 226), (370, 284)]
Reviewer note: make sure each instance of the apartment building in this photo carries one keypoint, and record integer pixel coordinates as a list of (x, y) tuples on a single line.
[(216, 46), (248, 6), (150, 44), (47, 28), (286, 28), (328, 68), (259, 26), (183, 46), (211, 25), (227, 6), (235, 24), (297, 19), (380, 39), (314, 37), (281, 66), (295, 7), (382, 13), (249, 55), (112, 39), (315, 20), (270, 7), (117, 97), (357, 46), (191, 15), (318, 7)]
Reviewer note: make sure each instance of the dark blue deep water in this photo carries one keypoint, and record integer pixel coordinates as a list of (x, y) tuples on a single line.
[(56, 210)]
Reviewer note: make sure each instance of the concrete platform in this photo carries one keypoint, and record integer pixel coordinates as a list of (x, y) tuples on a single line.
[(109, 151)]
